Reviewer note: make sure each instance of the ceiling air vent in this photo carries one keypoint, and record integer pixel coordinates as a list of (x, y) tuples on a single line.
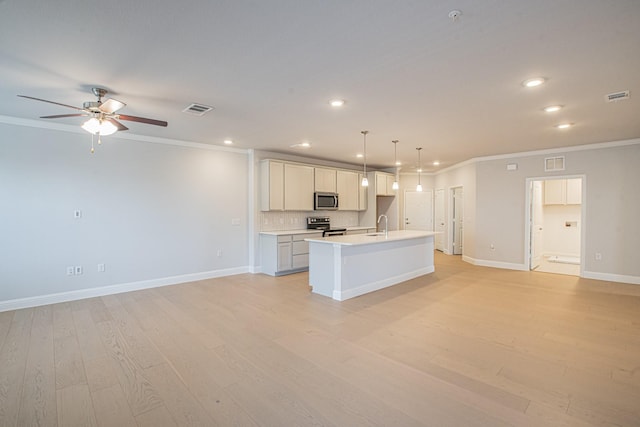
[(617, 96), (197, 109)]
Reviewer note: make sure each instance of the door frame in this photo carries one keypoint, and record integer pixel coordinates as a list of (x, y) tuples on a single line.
[(527, 217), (450, 230), (443, 248)]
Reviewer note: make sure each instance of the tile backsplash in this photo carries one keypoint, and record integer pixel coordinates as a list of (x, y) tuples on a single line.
[(297, 220)]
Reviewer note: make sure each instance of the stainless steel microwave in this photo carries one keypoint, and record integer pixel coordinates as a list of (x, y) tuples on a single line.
[(325, 201)]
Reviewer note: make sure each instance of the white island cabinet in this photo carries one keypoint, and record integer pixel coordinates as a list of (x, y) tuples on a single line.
[(343, 267)]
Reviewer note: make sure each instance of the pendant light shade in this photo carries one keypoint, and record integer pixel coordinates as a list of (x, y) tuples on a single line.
[(419, 186), (365, 181), (395, 185)]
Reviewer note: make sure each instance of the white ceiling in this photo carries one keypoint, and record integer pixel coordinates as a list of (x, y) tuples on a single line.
[(270, 67)]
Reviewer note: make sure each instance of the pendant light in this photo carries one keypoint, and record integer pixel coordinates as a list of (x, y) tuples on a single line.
[(419, 186), (365, 181), (395, 185)]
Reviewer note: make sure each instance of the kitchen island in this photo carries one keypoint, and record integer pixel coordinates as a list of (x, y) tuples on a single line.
[(343, 267)]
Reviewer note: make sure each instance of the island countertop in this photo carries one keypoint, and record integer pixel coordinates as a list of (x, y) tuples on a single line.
[(372, 238)]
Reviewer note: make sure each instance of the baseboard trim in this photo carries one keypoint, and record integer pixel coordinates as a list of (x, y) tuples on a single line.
[(495, 264), (610, 277), (19, 303)]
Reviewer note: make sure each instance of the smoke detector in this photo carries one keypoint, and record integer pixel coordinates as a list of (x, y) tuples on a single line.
[(454, 14)]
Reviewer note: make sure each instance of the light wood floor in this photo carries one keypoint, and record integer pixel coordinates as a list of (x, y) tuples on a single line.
[(464, 346)]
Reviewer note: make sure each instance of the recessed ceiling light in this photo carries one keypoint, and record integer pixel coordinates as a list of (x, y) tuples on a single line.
[(537, 81), (359, 155), (564, 125), (228, 142), (398, 163), (301, 145), (436, 163), (337, 102), (552, 108)]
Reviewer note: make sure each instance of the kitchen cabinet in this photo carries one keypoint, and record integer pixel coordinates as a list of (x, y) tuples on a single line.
[(563, 191), (348, 186), (272, 181), (298, 187), (325, 180), (384, 184), (286, 186), (285, 253)]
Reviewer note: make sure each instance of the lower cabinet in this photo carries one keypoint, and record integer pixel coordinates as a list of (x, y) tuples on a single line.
[(285, 253)]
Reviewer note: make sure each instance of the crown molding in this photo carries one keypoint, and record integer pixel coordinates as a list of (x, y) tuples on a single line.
[(119, 135)]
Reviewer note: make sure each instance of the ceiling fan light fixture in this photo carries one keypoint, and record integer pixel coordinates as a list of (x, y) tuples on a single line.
[(97, 126)]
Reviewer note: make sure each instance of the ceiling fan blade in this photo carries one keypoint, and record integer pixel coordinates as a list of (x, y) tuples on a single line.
[(119, 125), (59, 116), (142, 120), (50, 102), (110, 106)]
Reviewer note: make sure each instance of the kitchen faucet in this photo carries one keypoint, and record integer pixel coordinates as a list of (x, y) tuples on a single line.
[(386, 224)]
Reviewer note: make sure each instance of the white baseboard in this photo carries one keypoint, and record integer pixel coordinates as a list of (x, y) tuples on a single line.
[(610, 277), (19, 303), (495, 264)]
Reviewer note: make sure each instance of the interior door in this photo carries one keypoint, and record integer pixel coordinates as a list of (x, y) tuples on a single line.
[(458, 225), (418, 210), (439, 219), (537, 215)]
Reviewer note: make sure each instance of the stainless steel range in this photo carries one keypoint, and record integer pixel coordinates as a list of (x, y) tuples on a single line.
[(324, 223)]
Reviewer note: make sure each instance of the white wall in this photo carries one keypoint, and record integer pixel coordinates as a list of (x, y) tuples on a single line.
[(612, 205), (558, 239), (461, 176), (149, 211)]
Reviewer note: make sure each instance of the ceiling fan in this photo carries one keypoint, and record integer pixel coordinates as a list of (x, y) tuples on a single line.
[(103, 116)]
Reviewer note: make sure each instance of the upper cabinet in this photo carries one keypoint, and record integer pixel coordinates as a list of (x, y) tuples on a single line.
[(286, 186), (563, 191), (348, 188), (325, 180), (272, 185), (384, 184), (298, 187)]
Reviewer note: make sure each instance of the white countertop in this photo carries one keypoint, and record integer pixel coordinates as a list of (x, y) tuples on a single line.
[(306, 231), (290, 232), (368, 239)]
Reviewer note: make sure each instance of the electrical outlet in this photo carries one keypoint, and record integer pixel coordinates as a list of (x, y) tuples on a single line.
[(100, 268), (598, 256), (77, 213), (78, 269), (70, 271), (219, 252)]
